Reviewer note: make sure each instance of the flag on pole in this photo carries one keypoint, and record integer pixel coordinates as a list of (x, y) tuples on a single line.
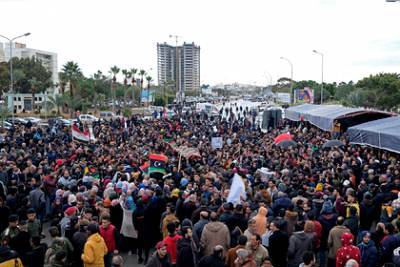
[(83, 136), (237, 190), (158, 164)]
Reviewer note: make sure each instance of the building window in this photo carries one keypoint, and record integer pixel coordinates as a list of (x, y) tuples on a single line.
[(35, 98), (19, 107), (19, 98), (40, 98), (15, 99)]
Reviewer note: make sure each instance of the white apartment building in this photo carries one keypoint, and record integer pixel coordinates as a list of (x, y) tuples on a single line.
[(187, 63)]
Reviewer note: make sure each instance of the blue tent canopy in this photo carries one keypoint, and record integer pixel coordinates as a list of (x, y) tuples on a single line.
[(322, 116), (294, 113), (383, 134)]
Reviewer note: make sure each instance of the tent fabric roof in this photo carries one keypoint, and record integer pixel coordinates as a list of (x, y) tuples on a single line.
[(294, 113), (321, 116), (383, 134)]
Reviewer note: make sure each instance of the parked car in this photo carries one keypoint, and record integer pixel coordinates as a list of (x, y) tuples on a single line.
[(18, 121), (88, 118), (34, 120), (5, 125), (109, 115)]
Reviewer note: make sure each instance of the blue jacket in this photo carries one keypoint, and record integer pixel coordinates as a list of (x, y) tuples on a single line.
[(369, 254)]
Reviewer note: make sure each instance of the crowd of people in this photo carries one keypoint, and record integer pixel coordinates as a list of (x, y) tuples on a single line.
[(303, 205)]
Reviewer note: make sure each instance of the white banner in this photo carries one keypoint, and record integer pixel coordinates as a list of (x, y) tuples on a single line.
[(237, 191)]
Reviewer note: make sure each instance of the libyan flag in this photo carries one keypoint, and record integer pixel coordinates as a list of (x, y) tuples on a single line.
[(158, 164), (145, 167)]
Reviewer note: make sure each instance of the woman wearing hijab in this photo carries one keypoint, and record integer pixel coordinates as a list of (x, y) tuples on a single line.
[(261, 221), (369, 253)]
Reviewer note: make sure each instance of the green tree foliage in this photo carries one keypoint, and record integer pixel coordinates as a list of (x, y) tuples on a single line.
[(28, 73), (381, 91)]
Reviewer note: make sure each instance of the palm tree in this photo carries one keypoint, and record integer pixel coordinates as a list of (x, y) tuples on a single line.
[(96, 76), (114, 70), (71, 73), (148, 79), (142, 73), (133, 73), (57, 101)]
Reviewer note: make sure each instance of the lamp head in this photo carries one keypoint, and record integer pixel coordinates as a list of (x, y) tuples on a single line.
[(27, 34), (315, 51)]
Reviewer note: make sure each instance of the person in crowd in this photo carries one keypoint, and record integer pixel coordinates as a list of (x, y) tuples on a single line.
[(278, 244), (215, 233), (299, 243), (171, 241), (347, 251), (34, 225), (335, 240), (78, 241), (186, 249), (160, 258), (95, 248), (257, 251), (58, 243), (11, 231), (117, 261), (368, 251), (36, 256), (111, 237), (308, 259), (8, 257), (244, 259), (215, 259)]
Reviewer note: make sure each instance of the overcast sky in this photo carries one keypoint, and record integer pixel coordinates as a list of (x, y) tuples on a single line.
[(240, 40)]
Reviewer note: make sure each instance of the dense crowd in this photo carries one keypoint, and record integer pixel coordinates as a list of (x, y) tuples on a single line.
[(303, 205)]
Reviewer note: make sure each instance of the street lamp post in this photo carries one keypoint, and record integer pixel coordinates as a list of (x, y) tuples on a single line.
[(10, 40), (291, 77), (322, 74)]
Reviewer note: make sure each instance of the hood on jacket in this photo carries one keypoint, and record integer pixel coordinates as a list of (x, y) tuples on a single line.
[(302, 236), (262, 211), (214, 226), (347, 239), (95, 238)]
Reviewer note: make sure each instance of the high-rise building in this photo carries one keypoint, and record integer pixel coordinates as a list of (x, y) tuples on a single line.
[(187, 64), (48, 59)]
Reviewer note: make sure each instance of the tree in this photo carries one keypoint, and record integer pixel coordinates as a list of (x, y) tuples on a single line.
[(24, 71), (381, 91), (142, 73), (57, 101), (71, 73)]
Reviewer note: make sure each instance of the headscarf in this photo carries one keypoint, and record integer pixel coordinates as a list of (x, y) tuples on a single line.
[(261, 220)]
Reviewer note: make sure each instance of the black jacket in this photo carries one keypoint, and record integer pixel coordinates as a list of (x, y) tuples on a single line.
[(185, 256), (211, 261), (36, 256), (278, 248)]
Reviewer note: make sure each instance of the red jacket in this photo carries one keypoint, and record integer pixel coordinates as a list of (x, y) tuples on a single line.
[(171, 242), (347, 251), (108, 235)]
